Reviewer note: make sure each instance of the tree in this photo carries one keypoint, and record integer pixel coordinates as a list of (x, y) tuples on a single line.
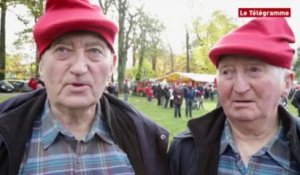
[(125, 22), (142, 26), (155, 42), (171, 57), (149, 41), (3, 7), (105, 5), (16, 69), (36, 9), (296, 66), (187, 46), (207, 34)]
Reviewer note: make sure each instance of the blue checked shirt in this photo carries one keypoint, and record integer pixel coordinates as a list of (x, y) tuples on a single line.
[(53, 150), (274, 158)]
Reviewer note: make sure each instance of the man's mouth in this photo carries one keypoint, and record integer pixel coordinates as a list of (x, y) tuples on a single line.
[(78, 84), (242, 101)]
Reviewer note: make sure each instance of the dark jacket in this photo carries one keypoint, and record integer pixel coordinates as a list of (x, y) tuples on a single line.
[(196, 151), (296, 101), (126, 88), (178, 94), (144, 142)]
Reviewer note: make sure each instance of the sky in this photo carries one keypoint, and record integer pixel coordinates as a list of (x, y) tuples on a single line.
[(176, 13)]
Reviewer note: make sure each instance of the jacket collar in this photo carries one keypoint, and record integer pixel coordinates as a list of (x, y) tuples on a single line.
[(207, 131), (16, 124), (123, 121)]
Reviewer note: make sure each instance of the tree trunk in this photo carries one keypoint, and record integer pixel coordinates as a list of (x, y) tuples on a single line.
[(138, 76), (172, 57), (172, 62), (134, 56), (121, 43), (2, 40), (121, 70), (154, 60), (187, 51)]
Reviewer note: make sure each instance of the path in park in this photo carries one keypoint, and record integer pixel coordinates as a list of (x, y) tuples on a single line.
[(2, 94)]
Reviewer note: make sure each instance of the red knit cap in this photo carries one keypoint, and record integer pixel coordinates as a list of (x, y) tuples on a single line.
[(267, 39), (64, 16)]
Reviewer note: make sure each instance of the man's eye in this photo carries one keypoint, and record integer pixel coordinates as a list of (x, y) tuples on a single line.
[(226, 72), (254, 69), (94, 50), (62, 52), (95, 53)]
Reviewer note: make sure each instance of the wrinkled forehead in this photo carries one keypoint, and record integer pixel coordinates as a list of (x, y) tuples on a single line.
[(234, 59), (93, 38)]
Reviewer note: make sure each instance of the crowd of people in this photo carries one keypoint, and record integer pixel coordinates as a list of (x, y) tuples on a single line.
[(72, 126), (172, 95)]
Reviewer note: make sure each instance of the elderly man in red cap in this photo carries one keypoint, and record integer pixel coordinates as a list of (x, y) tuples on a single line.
[(71, 126), (251, 133)]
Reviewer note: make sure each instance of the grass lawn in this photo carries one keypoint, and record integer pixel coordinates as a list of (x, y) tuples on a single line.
[(4, 96), (162, 116), (165, 117)]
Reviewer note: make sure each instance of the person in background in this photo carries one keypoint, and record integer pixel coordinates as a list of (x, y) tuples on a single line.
[(149, 92), (178, 94), (116, 87), (200, 99), (171, 96), (159, 94), (40, 83), (33, 83), (250, 133), (72, 126), (295, 101), (126, 90), (189, 95), (166, 94), (111, 88)]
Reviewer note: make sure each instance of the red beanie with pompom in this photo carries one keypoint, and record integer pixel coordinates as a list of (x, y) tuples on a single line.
[(64, 16), (267, 39)]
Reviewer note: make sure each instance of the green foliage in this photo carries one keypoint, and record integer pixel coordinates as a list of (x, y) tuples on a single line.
[(297, 69), (296, 66), (35, 10), (16, 70), (147, 72), (147, 41), (207, 34)]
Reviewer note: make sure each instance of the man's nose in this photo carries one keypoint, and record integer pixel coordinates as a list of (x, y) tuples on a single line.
[(241, 83), (79, 66)]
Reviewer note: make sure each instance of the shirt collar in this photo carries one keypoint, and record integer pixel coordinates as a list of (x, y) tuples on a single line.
[(51, 128), (226, 139), (277, 148)]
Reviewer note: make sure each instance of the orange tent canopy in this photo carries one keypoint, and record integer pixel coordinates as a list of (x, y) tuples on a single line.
[(186, 77)]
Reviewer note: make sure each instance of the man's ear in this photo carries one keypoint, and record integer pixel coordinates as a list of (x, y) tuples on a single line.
[(288, 82), (41, 68), (115, 61)]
